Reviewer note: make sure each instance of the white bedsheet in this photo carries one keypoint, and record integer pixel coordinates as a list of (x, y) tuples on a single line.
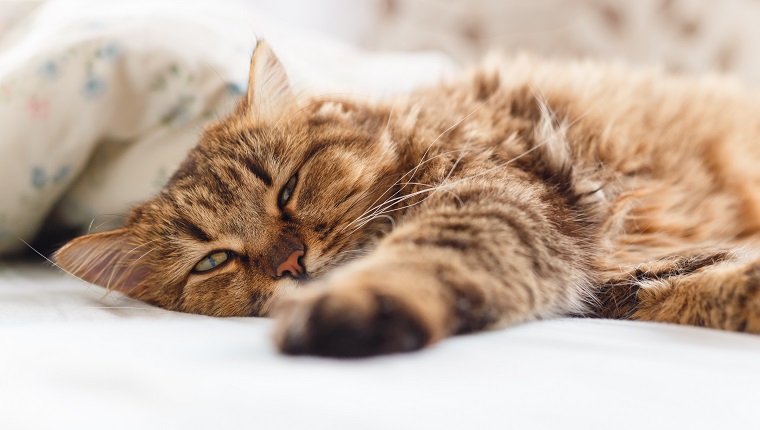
[(70, 358)]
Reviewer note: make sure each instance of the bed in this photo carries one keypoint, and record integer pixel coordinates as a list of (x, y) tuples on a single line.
[(72, 356)]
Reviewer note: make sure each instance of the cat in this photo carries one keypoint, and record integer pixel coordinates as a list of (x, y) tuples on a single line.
[(527, 189)]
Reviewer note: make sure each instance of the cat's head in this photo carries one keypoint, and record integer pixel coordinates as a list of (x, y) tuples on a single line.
[(268, 198)]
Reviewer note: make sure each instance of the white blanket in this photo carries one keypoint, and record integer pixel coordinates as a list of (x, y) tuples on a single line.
[(71, 359), (100, 101), (126, 88)]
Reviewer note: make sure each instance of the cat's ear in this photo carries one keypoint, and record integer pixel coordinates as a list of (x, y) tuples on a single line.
[(269, 94), (107, 259)]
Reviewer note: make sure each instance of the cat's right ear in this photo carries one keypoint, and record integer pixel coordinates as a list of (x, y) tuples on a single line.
[(269, 95), (107, 259)]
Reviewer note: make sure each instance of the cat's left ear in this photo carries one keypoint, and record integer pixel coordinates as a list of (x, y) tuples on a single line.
[(269, 94), (107, 259)]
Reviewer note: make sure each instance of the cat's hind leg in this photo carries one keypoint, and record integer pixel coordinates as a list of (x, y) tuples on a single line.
[(707, 288)]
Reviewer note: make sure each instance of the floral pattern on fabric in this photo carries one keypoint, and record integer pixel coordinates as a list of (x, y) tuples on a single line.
[(106, 100), (99, 108)]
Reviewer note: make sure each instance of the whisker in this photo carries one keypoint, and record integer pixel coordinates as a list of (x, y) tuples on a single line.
[(89, 229), (131, 264), (422, 159), (452, 127), (373, 205), (442, 185), (51, 261), (121, 260)]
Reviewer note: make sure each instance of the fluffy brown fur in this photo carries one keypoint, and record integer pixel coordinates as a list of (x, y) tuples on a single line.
[(526, 190)]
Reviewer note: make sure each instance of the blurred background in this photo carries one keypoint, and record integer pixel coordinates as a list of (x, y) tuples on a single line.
[(683, 35), (101, 100)]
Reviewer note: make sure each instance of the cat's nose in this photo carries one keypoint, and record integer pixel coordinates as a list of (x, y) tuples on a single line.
[(292, 264)]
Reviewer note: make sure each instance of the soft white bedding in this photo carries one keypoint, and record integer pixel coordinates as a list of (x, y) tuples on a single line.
[(70, 358)]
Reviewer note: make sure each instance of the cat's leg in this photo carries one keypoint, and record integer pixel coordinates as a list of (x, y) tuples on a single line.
[(716, 289), (482, 256)]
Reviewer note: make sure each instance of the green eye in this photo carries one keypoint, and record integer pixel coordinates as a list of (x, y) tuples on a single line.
[(211, 261), (287, 191)]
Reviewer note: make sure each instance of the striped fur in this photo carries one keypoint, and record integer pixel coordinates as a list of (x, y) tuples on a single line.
[(525, 190)]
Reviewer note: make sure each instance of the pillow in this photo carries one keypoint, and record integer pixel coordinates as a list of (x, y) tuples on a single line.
[(101, 101)]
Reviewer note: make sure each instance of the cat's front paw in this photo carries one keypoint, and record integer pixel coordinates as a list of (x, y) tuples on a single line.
[(349, 322)]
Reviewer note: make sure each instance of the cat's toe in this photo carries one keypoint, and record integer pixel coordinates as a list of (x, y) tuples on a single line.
[(355, 323)]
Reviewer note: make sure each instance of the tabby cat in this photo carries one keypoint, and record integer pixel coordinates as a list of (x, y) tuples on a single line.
[(526, 190)]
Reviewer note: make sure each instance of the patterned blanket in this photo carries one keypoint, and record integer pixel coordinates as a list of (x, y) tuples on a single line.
[(99, 102)]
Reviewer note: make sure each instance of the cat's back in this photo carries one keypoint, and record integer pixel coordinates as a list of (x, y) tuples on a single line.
[(630, 112), (683, 151), (686, 150), (621, 115)]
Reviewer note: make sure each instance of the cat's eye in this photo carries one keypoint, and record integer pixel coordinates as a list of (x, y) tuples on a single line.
[(287, 191), (212, 261)]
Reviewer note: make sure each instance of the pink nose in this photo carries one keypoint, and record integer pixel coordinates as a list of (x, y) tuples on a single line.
[(292, 265)]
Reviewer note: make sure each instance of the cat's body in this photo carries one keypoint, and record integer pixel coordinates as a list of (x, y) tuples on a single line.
[(527, 190)]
